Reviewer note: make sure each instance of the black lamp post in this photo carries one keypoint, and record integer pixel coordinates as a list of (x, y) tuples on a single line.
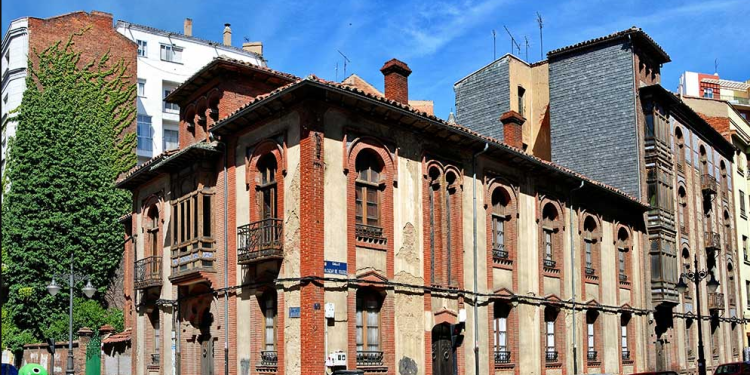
[(53, 288), (696, 277)]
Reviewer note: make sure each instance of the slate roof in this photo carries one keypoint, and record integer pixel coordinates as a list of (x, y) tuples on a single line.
[(635, 32)]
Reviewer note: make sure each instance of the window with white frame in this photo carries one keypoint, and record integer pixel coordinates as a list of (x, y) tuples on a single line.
[(171, 138), (708, 92), (141, 88), (171, 53), (145, 133), (500, 327), (550, 336), (590, 336), (142, 48), (169, 107)]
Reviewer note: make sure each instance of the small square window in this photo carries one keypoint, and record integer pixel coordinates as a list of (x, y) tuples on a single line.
[(171, 53), (142, 48), (170, 107)]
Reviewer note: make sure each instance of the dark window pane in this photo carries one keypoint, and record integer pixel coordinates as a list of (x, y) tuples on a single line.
[(207, 216)]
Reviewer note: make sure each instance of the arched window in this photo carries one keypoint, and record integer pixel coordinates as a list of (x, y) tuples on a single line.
[(266, 187), (728, 235), (686, 261), (623, 254), (443, 227), (550, 229), (152, 230), (730, 286), (367, 191), (590, 245), (704, 160), (680, 151), (724, 179), (269, 310), (682, 209), (368, 337), (500, 218)]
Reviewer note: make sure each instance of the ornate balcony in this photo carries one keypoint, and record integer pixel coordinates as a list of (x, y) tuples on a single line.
[(499, 252), (623, 277), (550, 356), (549, 263), (502, 357), (709, 186), (155, 359), (191, 258), (369, 358), (589, 268), (591, 355), (269, 361), (370, 234), (715, 302), (259, 241), (147, 272), (625, 355), (712, 241)]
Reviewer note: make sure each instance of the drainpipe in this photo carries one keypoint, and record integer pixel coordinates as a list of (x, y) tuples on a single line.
[(573, 279), (476, 276), (226, 266)]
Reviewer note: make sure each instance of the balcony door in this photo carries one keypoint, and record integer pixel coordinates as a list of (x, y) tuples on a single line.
[(442, 351)]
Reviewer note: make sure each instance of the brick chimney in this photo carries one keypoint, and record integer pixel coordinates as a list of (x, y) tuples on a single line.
[(255, 47), (227, 35), (188, 27), (513, 129), (396, 80)]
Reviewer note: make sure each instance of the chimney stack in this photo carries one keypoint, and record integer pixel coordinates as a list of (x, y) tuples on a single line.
[(396, 80), (227, 35), (188, 27), (513, 129), (255, 47)]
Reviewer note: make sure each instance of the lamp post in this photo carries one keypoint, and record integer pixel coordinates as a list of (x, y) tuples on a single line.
[(696, 277), (53, 288)]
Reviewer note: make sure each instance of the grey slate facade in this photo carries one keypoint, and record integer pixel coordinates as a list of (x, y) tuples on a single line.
[(593, 114), (482, 97)]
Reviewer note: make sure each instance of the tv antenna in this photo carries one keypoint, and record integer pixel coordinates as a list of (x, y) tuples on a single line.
[(512, 41), (716, 66), (346, 60), (527, 47), (494, 44), (541, 40)]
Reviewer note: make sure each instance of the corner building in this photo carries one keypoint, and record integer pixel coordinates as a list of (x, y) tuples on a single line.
[(291, 196)]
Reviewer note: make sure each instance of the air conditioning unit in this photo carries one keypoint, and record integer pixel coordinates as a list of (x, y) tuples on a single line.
[(336, 359)]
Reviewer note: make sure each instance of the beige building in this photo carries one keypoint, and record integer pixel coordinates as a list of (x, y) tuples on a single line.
[(724, 118), (302, 217)]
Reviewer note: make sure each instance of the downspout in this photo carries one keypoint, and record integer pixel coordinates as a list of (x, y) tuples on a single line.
[(476, 274), (226, 266), (573, 279)]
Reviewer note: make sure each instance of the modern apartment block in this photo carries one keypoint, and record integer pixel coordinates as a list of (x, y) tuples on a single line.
[(610, 119), (712, 87), (165, 60), (28, 35), (305, 217), (724, 117)]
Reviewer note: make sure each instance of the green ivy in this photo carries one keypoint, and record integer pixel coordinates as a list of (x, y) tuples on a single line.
[(71, 144)]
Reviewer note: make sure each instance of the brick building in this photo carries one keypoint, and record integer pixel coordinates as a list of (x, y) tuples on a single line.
[(290, 196)]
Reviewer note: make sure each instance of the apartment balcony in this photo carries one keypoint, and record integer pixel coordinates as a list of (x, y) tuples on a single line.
[(370, 234), (269, 361), (147, 272), (712, 241), (260, 241), (592, 355), (715, 302), (709, 186), (369, 358), (155, 359), (623, 278), (549, 263), (499, 253), (589, 269), (502, 357), (550, 356), (625, 355), (192, 259)]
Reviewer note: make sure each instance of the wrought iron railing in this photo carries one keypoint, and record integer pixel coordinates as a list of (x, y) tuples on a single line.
[(709, 185), (625, 355), (623, 277), (369, 234), (589, 268), (260, 240), (591, 355), (155, 359), (550, 355), (148, 272), (549, 263), (269, 358), (715, 301), (502, 356), (499, 252), (712, 241), (367, 358)]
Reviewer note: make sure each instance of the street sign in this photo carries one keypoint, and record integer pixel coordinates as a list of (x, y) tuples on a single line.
[(294, 312), (336, 268)]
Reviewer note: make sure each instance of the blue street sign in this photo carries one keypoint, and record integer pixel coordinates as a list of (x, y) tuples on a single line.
[(336, 268), (294, 312)]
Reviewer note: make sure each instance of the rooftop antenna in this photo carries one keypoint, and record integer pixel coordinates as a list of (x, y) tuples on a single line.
[(527, 47), (494, 48), (512, 41), (716, 66), (541, 40), (346, 60), (246, 39), (337, 71)]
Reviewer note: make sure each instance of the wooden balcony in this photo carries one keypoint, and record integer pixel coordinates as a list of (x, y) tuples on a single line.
[(148, 272), (260, 241), (191, 259), (715, 302), (709, 185), (712, 241)]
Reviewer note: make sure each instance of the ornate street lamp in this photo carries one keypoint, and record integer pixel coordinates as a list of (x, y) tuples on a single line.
[(712, 284), (53, 288)]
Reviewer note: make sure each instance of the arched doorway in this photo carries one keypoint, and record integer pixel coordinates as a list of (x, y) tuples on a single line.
[(443, 353)]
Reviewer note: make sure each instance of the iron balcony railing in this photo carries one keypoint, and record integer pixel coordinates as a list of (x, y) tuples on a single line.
[(269, 358), (260, 240), (550, 355), (155, 359), (623, 277), (591, 355), (549, 263), (368, 358), (589, 268), (148, 272), (716, 301), (370, 234), (625, 354), (502, 356), (499, 252), (712, 241), (709, 186)]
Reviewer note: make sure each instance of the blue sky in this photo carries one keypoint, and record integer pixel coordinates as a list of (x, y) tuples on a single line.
[(442, 41)]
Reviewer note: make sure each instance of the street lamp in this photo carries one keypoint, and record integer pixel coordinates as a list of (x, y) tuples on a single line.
[(696, 277), (53, 288)]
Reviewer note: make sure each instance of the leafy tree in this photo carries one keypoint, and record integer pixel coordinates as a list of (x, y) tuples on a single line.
[(71, 143)]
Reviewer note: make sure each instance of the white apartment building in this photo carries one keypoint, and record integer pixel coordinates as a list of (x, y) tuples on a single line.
[(14, 61), (166, 59)]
